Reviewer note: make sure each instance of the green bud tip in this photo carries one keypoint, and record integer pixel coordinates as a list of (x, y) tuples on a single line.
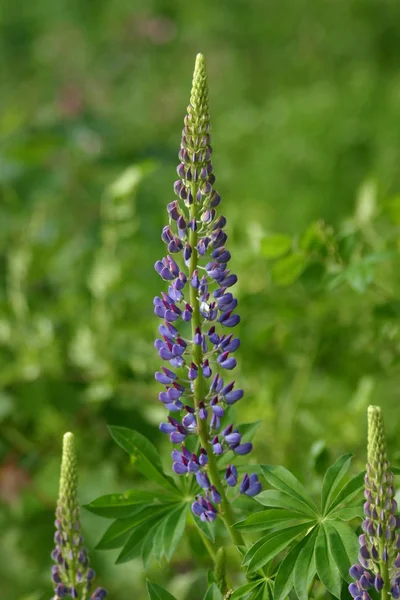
[(199, 93), (69, 471), (376, 437)]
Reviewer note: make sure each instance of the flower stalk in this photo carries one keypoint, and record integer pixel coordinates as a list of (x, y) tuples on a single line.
[(197, 309), (378, 563), (71, 575)]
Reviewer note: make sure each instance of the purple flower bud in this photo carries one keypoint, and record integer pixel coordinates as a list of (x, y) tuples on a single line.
[(231, 475), (365, 583), (395, 591), (215, 495), (243, 449), (202, 480), (378, 583), (354, 590), (356, 571)]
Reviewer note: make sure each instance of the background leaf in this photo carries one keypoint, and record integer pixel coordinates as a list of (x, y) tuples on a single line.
[(156, 592), (325, 564)]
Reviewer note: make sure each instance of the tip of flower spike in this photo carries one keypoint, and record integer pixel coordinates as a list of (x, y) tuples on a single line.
[(374, 410), (199, 94), (68, 438), (68, 477), (376, 436)]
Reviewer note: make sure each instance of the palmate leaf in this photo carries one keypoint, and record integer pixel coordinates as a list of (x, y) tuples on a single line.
[(349, 512), (275, 498), (172, 532), (323, 545), (269, 519), (333, 478), (344, 546), (213, 593), (119, 528), (268, 547), (283, 480), (156, 592), (353, 488), (285, 575), (244, 590), (144, 454), (304, 569), (119, 506), (133, 547), (327, 569)]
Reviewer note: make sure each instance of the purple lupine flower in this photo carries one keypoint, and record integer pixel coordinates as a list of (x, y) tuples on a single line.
[(199, 299), (71, 575), (379, 559)]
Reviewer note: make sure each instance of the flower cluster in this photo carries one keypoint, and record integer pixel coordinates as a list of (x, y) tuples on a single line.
[(197, 311), (379, 557), (72, 576)]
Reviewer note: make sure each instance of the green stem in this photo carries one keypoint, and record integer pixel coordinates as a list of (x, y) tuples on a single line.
[(199, 388), (385, 574)]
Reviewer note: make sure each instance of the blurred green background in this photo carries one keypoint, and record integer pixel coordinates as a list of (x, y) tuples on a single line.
[(305, 100)]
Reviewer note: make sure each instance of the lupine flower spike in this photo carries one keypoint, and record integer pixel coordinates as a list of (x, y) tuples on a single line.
[(197, 312), (72, 576), (379, 558)]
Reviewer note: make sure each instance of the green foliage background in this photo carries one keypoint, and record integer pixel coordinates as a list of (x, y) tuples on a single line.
[(305, 100)]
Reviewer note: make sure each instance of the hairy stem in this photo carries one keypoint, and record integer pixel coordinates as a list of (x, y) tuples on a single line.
[(200, 393)]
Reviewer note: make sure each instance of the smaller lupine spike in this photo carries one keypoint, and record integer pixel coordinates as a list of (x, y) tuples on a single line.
[(379, 558), (72, 576)]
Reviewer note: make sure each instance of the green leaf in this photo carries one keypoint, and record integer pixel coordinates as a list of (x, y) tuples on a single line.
[(119, 506), (333, 478), (352, 488), (359, 275), (304, 569), (117, 529), (327, 570), (285, 574), (145, 455), (348, 513), (275, 245), (243, 590), (286, 482), (173, 530), (278, 499), (268, 519), (156, 592), (147, 546), (272, 545), (133, 546), (248, 430), (158, 546), (344, 546), (213, 593), (287, 270)]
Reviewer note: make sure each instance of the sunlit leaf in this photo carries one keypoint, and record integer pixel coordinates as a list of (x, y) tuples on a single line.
[(304, 569), (333, 478), (156, 592), (327, 569), (268, 519), (272, 545), (213, 593), (145, 455), (286, 482)]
